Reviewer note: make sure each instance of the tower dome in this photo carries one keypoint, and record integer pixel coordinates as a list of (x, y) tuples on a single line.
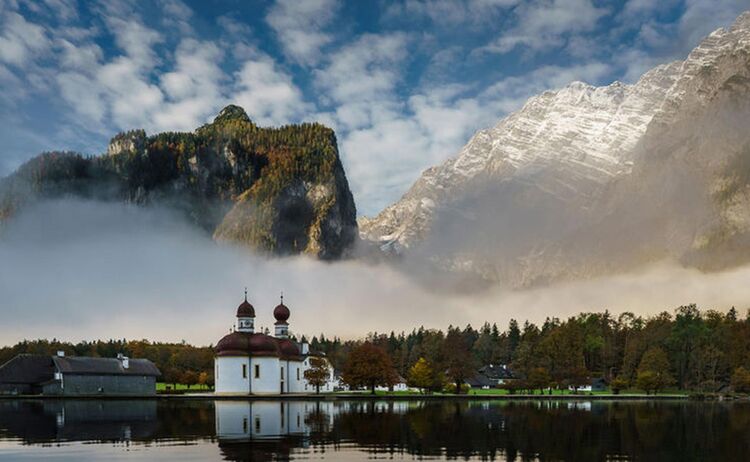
[(281, 313), (245, 310), (246, 316)]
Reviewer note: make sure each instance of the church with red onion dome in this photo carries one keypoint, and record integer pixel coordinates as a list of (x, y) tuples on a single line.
[(254, 363)]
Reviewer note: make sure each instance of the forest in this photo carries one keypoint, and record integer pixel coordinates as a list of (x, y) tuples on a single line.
[(689, 349)]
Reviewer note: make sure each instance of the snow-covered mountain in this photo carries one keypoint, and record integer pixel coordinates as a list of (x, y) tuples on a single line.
[(543, 194)]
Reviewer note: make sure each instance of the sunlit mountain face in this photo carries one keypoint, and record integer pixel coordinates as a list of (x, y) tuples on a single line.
[(585, 180)]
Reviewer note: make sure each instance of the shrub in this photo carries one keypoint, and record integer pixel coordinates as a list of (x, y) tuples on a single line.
[(451, 388), (741, 380), (618, 384)]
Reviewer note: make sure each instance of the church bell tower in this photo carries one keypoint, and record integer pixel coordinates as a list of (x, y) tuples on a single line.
[(246, 317)]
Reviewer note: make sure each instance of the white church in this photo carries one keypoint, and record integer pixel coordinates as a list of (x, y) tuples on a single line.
[(249, 362)]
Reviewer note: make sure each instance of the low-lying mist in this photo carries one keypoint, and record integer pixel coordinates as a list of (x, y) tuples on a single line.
[(77, 270)]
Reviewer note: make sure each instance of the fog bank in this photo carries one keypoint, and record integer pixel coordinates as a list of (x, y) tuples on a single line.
[(78, 270)]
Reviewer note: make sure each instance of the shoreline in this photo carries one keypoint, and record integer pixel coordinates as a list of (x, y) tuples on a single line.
[(355, 397)]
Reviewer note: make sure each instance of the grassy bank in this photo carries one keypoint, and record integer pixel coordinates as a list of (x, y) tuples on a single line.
[(181, 387)]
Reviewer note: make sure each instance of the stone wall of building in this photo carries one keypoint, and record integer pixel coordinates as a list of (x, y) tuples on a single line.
[(76, 385)]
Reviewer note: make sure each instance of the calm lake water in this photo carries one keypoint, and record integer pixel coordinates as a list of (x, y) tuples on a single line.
[(374, 430)]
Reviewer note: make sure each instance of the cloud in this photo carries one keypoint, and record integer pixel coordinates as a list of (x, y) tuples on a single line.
[(640, 8), (268, 94), (513, 90), (65, 10), (21, 41), (136, 39), (359, 83), (301, 27), (177, 15), (657, 40), (193, 89), (114, 271), (448, 12), (701, 17), (364, 70), (545, 24)]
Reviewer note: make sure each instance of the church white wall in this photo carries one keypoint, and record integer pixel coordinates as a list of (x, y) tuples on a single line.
[(269, 380), (228, 374), (295, 380), (229, 379)]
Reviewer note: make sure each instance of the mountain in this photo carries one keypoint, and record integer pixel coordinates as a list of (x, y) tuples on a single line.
[(277, 190), (589, 180)]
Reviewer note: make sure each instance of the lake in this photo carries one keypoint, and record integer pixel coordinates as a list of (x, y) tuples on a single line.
[(523, 430)]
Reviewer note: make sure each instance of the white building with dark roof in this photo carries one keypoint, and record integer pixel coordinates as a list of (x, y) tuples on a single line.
[(249, 362)]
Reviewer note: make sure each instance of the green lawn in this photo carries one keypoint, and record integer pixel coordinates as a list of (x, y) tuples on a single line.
[(495, 391), (161, 386)]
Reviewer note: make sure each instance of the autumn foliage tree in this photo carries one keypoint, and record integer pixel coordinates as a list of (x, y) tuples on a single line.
[(539, 378), (653, 371), (318, 373), (459, 362), (421, 375), (368, 366)]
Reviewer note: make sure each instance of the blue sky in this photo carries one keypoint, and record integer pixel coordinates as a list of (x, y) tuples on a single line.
[(403, 83)]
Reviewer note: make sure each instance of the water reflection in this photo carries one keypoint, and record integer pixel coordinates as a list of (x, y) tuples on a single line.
[(358, 430), (44, 421)]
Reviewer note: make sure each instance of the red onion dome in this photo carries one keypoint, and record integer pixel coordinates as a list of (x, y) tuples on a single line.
[(245, 310), (281, 312)]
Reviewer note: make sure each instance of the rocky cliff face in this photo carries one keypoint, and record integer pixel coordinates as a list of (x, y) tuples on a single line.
[(584, 180), (277, 190)]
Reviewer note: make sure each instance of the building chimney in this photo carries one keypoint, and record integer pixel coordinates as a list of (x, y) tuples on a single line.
[(124, 360), (60, 354), (305, 348)]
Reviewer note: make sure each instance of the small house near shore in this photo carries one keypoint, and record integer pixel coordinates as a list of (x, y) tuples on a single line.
[(62, 375), (491, 376)]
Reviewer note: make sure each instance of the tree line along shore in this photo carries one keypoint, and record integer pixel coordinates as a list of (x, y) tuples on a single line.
[(687, 351)]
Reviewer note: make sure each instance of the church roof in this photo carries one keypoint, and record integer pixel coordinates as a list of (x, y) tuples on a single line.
[(256, 344)]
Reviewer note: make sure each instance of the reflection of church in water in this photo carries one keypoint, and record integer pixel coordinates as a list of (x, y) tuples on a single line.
[(247, 420), (274, 430), (249, 362)]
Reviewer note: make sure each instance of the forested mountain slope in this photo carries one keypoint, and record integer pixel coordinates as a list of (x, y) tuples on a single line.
[(277, 190)]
